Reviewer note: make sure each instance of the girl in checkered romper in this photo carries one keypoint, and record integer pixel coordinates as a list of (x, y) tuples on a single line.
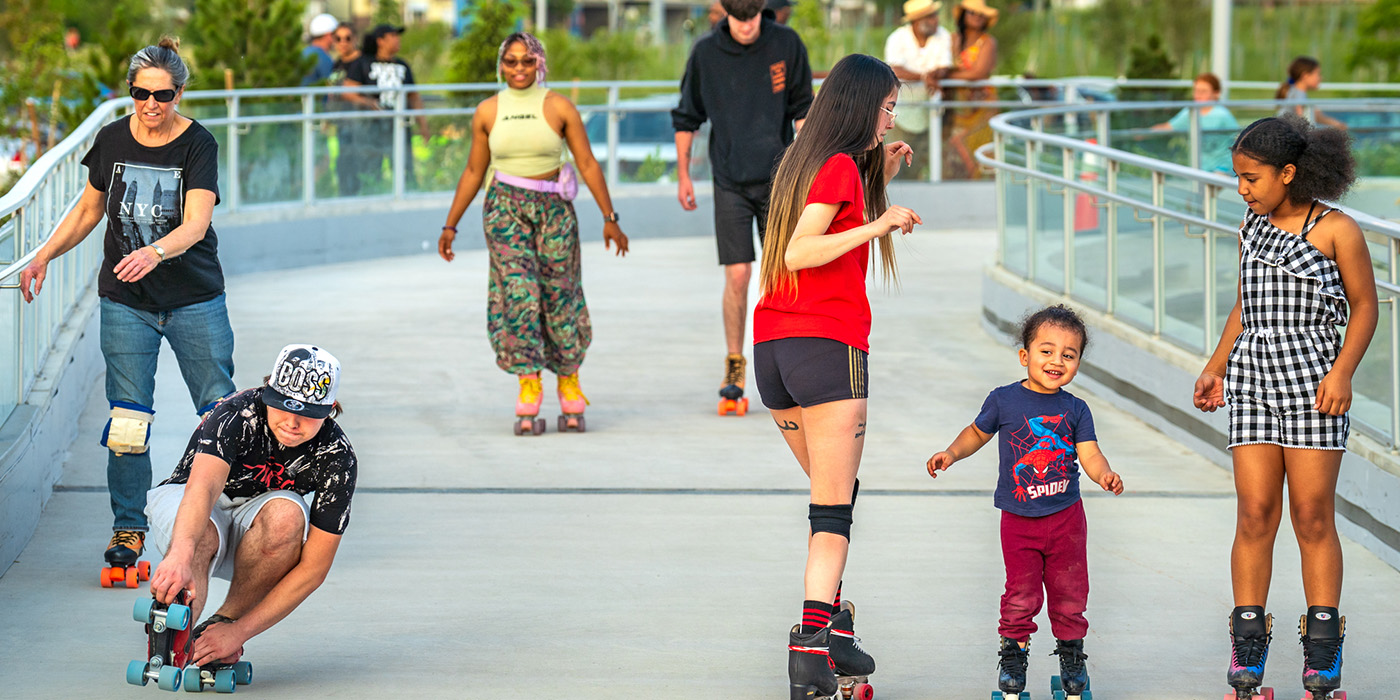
[(1285, 372)]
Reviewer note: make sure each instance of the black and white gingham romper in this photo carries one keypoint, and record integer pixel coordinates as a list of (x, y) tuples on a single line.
[(1291, 303)]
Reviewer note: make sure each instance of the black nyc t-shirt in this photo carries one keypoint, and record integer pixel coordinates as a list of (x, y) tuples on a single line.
[(145, 190), (387, 75), (237, 433)]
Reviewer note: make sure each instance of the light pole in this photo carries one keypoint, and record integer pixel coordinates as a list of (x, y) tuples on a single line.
[(1220, 23)]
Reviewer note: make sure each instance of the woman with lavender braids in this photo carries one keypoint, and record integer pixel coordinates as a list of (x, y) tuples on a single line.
[(536, 314)]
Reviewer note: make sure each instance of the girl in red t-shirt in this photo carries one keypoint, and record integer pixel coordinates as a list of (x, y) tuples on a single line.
[(811, 330)]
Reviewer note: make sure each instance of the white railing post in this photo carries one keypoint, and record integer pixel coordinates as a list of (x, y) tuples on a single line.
[(613, 118), (935, 138), (1067, 218), (1111, 233), (308, 152), (1159, 255), (1194, 157), (233, 191), (398, 165)]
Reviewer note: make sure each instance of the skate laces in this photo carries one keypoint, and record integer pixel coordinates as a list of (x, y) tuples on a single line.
[(1071, 659), (734, 370), (569, 388), (530, 389), (127, 538), (1013, 656), (1320, 654), (1249, 651)]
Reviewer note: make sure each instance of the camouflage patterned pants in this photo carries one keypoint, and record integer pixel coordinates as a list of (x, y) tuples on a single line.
[(535, 313)]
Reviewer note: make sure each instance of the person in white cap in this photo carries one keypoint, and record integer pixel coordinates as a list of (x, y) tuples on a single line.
[(322, 36), (237, 505)]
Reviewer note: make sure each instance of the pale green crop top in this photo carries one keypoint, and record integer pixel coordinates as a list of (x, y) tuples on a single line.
[(522, 143)]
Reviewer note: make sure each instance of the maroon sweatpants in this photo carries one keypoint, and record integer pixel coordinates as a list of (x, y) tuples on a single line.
[(1045, 556)]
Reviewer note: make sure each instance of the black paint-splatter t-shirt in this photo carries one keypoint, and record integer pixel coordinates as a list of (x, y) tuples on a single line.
[(237, 432)]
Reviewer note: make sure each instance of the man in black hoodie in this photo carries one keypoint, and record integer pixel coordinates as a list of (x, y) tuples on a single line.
[(750, 78)]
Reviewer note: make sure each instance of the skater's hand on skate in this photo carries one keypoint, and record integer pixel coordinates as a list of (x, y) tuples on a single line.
[(612, 233), (1110, 481), (218, 642), (1210, 392), (171, 577), (895, 154), (686, 193), (896, 217), (445, 244), (1333, 394), (938, 463)]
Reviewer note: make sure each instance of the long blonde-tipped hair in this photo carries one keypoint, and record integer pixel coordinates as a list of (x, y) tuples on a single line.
[(844, 118)]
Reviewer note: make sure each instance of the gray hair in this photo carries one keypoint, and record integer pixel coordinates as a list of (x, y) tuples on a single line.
[(166, 57)]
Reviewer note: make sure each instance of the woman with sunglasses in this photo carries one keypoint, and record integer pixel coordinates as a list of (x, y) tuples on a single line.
[(811, 332), (536, 315), (154, 175), (350, 158)]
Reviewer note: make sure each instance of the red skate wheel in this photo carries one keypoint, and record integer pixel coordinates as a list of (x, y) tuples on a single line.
[(1268, 693), (1339, 695), (742, 407), (721, 406), (106, 578), (143, 569), (863, 691), (131, 578)]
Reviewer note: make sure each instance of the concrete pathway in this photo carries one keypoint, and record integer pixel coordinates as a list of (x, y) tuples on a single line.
[(660, 554)]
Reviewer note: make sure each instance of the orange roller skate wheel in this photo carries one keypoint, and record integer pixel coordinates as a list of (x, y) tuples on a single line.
[(106, 578), (742, 407), (132, 578), (143, 569)]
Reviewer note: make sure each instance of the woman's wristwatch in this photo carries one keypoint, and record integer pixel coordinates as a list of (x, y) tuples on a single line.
[(612, 218)]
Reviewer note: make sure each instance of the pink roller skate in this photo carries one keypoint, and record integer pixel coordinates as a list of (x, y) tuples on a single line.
[(527, 407), (571, 403)]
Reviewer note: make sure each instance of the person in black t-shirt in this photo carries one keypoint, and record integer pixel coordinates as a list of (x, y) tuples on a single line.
[(237, 505), (750, 79), (155, 176), (380, 65)]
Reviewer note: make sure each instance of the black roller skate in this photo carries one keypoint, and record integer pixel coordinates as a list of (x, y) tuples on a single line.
[(1321, 632), (1073, 681), (1250, 632), (852, 665), (810, 675), (1011, 670)]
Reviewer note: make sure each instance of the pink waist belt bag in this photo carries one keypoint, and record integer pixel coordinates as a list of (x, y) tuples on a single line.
[(566, 186)]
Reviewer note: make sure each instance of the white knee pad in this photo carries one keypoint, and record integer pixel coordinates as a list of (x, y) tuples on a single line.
[(128, 431)]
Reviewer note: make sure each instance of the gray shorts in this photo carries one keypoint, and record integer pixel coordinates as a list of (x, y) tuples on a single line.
[(231, 518)]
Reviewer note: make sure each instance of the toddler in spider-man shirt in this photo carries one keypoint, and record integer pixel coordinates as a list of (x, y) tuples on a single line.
[(1043, 429)]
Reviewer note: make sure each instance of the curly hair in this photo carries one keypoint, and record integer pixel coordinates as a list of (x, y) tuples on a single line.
[(1058, 315), (532, 47), (1322, 157)]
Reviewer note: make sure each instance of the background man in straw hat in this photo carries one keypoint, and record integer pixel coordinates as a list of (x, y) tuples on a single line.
[(921, 53)]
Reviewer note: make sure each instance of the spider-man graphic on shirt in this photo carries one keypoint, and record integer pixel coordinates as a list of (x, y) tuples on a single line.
[(1045, 460)]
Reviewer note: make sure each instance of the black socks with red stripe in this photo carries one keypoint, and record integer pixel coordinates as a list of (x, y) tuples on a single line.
[(816, 615)]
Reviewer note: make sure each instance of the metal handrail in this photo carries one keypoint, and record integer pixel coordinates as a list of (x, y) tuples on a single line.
[(1026, 129)]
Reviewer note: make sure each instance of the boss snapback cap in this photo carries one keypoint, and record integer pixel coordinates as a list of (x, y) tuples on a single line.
[(304, 381)]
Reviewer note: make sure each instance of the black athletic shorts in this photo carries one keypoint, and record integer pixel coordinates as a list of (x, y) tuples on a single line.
[(808, 371), (736, 209)]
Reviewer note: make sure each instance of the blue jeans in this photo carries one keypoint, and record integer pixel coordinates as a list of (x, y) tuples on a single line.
[(202, 339)]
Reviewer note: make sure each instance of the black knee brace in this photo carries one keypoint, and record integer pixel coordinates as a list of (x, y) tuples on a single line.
[(833, 519)]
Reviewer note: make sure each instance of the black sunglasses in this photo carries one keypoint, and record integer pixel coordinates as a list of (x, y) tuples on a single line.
[(142, 94)]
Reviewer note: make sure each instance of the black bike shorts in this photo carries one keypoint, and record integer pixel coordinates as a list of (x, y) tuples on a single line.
[(808, 371)]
